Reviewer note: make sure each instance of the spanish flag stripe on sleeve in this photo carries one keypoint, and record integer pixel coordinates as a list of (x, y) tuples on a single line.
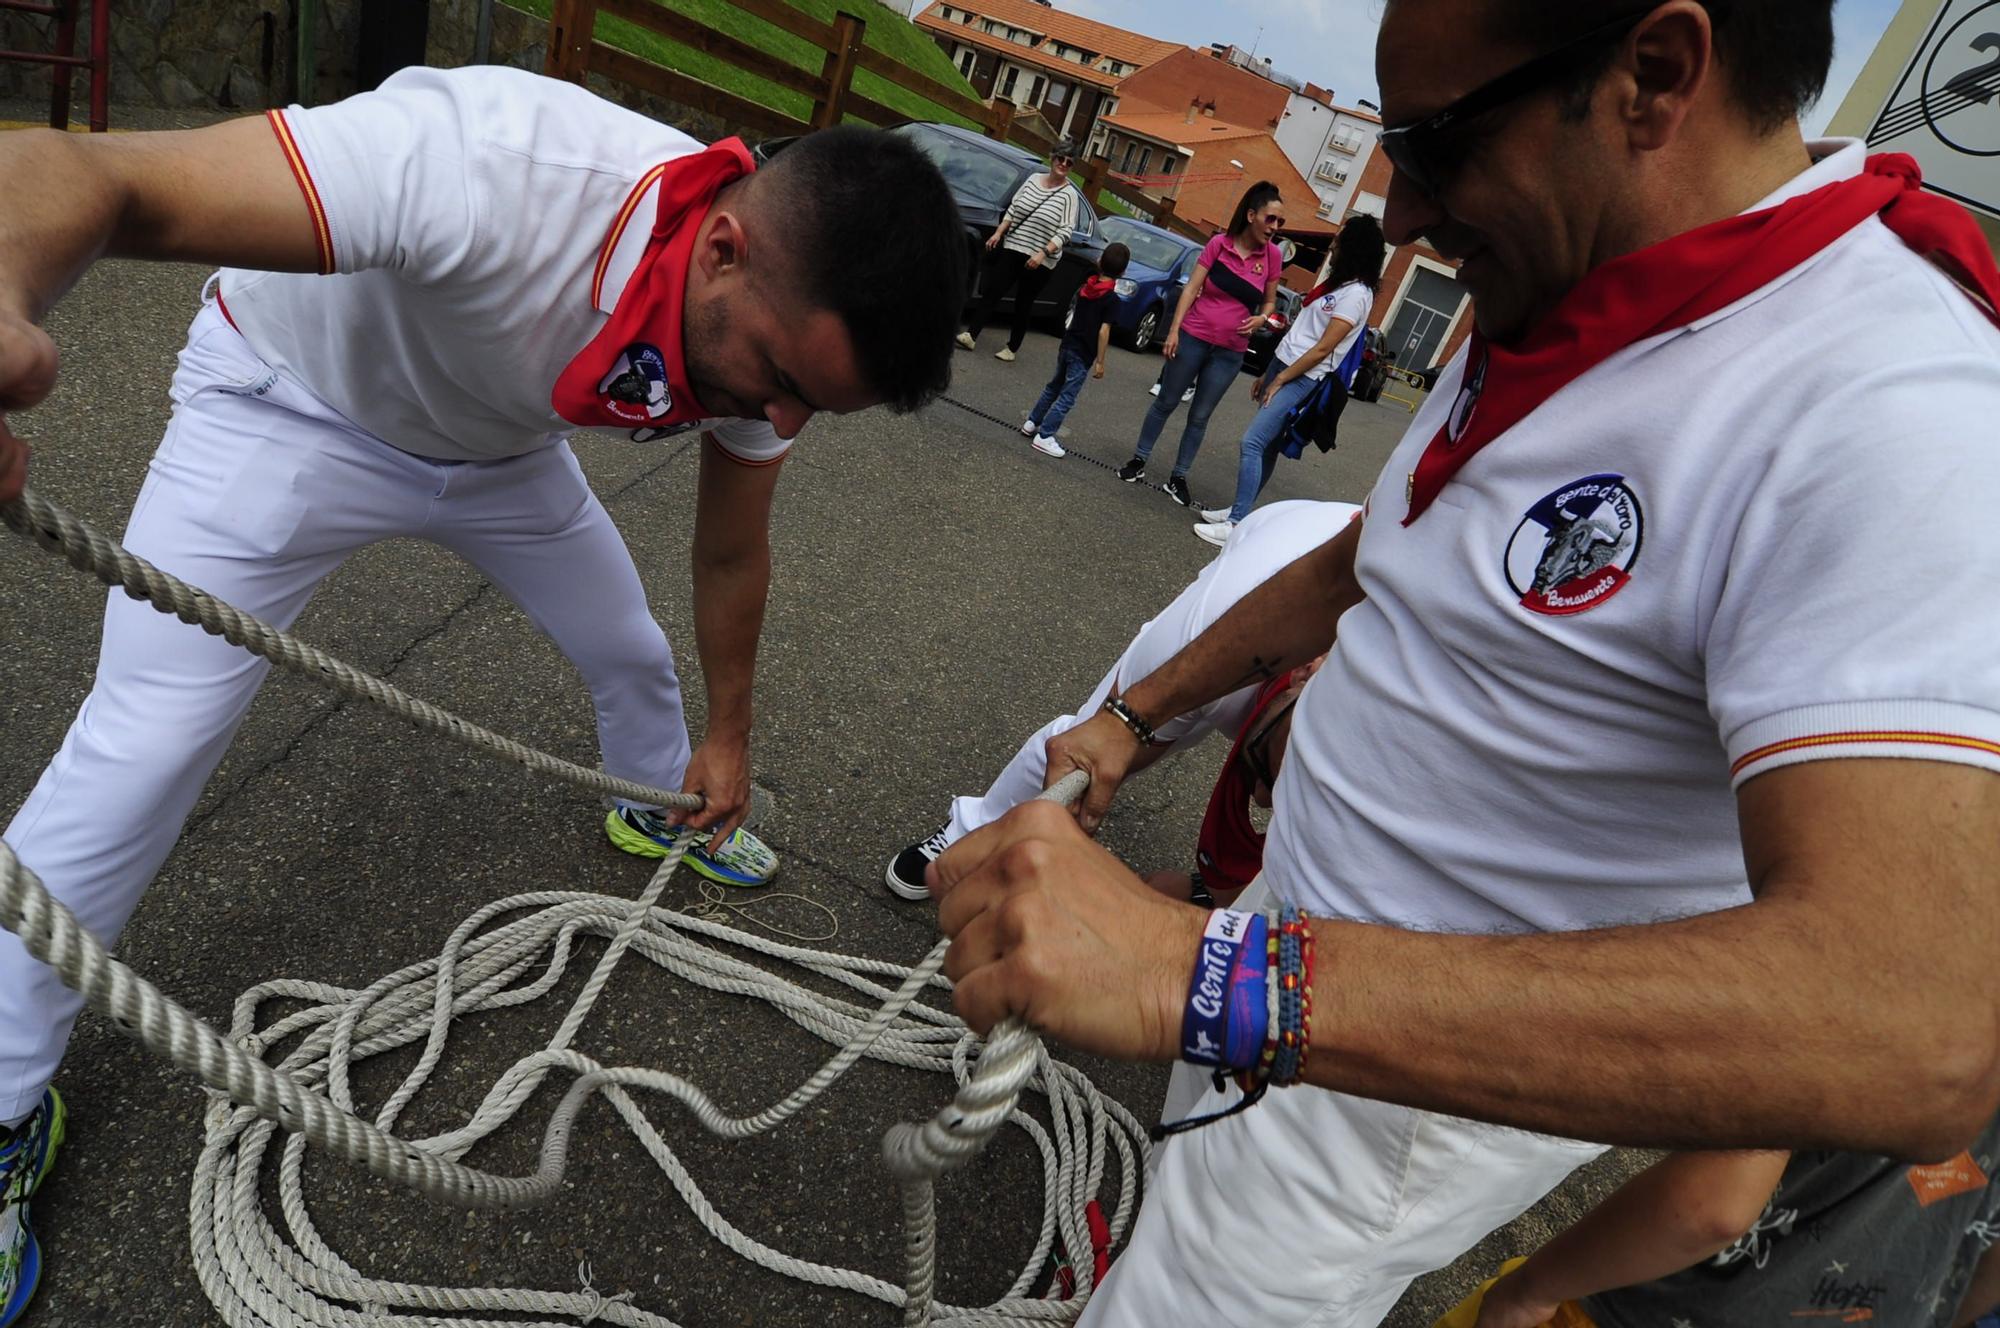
[(1864, 736), (322, 232), (617, 230)]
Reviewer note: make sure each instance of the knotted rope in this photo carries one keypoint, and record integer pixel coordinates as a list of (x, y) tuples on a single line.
[(255, 1277)]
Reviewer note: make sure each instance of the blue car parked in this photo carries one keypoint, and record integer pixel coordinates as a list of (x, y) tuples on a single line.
[(1161, 264)]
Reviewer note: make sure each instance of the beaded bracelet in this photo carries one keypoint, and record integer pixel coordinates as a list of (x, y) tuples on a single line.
[(1131, 719)]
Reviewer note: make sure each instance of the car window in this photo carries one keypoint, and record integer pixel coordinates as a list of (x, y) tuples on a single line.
[(973, 173), (1148, 247), (1086, 217)]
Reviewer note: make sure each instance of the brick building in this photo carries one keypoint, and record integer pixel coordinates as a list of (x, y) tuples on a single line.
[(1327, 144), (1040, 58)]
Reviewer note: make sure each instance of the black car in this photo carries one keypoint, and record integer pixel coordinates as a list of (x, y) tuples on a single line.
[(983, 175)]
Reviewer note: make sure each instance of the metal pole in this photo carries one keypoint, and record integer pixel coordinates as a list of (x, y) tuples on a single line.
[(482, 34)]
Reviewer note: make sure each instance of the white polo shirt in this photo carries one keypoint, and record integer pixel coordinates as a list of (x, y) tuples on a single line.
[(1766, 538), (1351, 301), (481, 224)]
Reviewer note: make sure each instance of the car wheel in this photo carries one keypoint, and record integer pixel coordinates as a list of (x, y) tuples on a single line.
[(1145, 332)]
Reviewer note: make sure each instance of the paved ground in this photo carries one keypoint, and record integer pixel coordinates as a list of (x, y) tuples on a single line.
[(941, 590)]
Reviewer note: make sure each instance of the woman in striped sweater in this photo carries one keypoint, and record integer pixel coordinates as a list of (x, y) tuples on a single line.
[(1024, 247)]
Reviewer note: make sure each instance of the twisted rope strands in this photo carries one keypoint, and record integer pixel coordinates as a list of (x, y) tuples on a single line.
[(89, 551), (258, 1278)]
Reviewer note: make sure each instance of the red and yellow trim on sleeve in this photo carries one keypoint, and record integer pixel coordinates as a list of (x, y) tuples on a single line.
[(1872, 737), (617, 231), (322, 232), (722, 450)]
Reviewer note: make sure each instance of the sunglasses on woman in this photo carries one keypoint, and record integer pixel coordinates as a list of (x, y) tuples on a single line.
[(1430, 151)]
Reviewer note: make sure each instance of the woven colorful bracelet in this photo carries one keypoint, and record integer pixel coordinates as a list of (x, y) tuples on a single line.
[(1285, 1067), (1306, 1003)]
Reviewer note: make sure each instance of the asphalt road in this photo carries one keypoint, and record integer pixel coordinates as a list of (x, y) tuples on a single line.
[(940, 591)]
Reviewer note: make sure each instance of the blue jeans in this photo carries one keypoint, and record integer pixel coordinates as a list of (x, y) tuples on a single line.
[(1264, 440), (1211, 370), (1060, 394)]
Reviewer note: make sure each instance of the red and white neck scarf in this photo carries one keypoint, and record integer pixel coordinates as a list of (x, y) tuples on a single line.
[(1687, 278), (633, 374)]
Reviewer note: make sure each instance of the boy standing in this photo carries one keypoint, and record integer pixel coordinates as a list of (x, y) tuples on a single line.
[(1082, 350)]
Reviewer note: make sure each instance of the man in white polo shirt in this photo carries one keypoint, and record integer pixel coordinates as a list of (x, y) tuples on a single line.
[(432, 285), (1652, 794)]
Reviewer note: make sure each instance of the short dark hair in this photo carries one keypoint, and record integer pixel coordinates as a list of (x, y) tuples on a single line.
[(1775, 53), (1358, 253), (1256, 196), (1116, 256), (875, 238)]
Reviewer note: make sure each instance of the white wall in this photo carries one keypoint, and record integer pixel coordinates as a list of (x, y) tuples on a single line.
[(1302, 131)]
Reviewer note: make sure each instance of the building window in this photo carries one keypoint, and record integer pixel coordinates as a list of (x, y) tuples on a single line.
[(1345, 140), (1131, 151), (1333, 172), (1035, 91), (967, 58), (1145, 159), (991, 26), (1169, 164), (1007, 86), (1372, 204)]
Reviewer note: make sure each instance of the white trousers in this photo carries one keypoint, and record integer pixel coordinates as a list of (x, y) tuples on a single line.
[(1313, 1209), (1269, 540), (259, 491)]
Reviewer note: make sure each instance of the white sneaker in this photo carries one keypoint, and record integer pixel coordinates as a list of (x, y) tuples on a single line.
[(1154, 390), (1005, 354), (1029, 429), (1187, 396), (1048, 446), (1215, 532), (965, 341), (1215, 514)]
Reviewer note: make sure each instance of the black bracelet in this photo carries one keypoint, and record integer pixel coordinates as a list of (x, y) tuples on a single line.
[(1129, 717)]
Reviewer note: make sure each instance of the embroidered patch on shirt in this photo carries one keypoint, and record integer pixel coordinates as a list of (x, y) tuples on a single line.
[(1946, 1179)]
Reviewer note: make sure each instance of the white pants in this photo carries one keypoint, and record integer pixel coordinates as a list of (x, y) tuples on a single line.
[(1269, 540), (1312, 1209), (258, 492)]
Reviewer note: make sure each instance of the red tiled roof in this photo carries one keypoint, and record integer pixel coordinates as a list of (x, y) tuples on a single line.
[(1049, 25), (1176, 128)]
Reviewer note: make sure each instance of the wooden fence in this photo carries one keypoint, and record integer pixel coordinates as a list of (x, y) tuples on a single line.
[(574, 53)]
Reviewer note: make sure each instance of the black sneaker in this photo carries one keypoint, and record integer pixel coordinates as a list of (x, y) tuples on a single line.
[(1176, 487), (905, 877), (1133, 471)]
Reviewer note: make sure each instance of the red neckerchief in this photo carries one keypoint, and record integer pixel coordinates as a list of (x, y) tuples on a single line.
[(1689, 277), (1230, 849), (1095, 285), (632, 374)]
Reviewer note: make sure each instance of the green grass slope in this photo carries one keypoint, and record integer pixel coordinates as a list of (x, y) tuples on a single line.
[(887, 32)]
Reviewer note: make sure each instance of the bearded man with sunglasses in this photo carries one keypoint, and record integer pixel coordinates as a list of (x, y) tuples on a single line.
[(1651, 795)]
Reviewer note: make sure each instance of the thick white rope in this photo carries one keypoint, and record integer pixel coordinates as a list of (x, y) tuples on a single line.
[(255, 1278)]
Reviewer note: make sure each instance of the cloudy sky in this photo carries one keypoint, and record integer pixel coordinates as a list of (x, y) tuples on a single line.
[(1332, 42)]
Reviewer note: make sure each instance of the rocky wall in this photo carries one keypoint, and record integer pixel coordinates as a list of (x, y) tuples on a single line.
[(233, 54)]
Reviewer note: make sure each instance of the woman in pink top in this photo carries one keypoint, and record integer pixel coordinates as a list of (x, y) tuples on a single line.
[(1234, 287)]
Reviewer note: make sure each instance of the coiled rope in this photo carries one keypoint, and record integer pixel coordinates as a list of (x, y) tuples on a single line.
[(255, 1277)]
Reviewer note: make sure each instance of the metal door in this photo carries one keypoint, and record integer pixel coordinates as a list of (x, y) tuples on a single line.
[(1422, 319)]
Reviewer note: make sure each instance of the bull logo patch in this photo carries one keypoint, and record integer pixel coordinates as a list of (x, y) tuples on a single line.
[(1577, 547), (636, 388)]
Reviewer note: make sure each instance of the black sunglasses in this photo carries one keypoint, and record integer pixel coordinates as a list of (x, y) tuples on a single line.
[(1430, 151)]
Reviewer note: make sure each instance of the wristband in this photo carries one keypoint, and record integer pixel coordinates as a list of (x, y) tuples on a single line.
[(1224, 1023), (1129, 717)]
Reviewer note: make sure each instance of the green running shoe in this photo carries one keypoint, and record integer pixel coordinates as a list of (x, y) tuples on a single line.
[(24, 1164), (741, 860)]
